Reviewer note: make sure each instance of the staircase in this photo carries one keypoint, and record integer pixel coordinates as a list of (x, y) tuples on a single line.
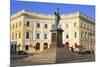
[(53, 55)]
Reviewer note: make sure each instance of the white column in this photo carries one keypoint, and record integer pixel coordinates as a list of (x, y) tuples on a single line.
[(49, 28), (70, 32), (34, 30), (41, 34)]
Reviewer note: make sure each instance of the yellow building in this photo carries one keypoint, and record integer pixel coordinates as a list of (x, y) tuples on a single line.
[(31, 31)]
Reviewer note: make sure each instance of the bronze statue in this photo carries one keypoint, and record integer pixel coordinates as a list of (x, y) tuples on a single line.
[(57, 17)]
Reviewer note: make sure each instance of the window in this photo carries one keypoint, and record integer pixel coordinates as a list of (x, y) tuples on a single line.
[(75, 24), (16, 25), (66, 25), (38, 25), (81, 34), (19, 35), (12, 36), (87, 26), (67, 36), (81, 24), (13, 26), (27, 35), (38, 36), (75, 35), (16, 36), (84, 25), (86, 35), (46, 26), (45, 36), (90, 27), (19, 23), (28, 23)]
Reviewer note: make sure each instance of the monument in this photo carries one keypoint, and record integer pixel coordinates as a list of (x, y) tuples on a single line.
[(56, 39), (56, 33)]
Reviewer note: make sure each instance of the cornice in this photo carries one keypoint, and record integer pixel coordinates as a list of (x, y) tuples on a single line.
[(51, 17)]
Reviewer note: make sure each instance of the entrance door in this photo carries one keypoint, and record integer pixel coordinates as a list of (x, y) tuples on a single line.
[(67, 45), (27, 47), (45, 46), (75, 44), (37, 46)]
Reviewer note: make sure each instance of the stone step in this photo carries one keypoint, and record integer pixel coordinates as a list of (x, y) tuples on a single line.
[(51, 60), (52, 55)]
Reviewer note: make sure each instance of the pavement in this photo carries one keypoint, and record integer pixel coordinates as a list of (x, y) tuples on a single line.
[(83, 58)]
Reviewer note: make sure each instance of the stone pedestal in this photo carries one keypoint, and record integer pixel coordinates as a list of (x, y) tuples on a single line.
[(56, 43), (56, 38)]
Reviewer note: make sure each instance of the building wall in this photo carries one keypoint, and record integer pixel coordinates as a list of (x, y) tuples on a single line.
[(17, 26), (77, 30), (87, 34)]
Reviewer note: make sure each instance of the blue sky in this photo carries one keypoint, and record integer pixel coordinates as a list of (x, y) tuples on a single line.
[(48, 8)]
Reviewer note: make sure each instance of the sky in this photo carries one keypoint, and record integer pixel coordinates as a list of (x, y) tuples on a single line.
[(49, 8)]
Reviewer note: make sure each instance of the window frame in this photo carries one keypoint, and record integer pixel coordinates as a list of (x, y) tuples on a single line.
[(28, 23), (38, 25), (37, 35), (45, 36), (45, 26), (27, 35)]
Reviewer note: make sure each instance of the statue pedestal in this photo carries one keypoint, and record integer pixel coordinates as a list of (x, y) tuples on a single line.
[(56, 43), (56, 38)]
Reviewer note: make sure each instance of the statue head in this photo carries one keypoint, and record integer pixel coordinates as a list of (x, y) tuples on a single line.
[(56, 11)]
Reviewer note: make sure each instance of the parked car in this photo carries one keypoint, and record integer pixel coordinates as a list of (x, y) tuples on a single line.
[(22, 53), (79, 50)]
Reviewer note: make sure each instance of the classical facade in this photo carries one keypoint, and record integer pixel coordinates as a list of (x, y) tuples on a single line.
[(31, 31)]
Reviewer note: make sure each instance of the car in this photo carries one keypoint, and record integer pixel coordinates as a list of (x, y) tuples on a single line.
[(79, 50), (22, 53)]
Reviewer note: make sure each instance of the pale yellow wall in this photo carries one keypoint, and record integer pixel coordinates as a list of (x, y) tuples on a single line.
[(66, 19)]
